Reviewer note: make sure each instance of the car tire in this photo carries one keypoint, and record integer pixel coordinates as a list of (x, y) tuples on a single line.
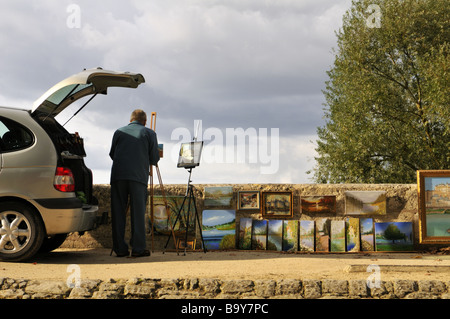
[(21, 231), (52, 243)]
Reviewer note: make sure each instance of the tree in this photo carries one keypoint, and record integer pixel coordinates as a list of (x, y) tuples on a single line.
[(387, 107), (393, 233)]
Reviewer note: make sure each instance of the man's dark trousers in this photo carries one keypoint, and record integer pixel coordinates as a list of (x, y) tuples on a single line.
[(120, 190)]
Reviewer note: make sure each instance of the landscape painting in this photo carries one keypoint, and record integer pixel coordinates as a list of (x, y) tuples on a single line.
[(219, 229), (352, 233), (323, 234), (337, 242), (161, 222), (248, 200), (277, 204), (307, 228), (394, 236), (434, 199), (259, 234), (365, 203), (275, 235), (318, 204), (290, 235), (367, 234), (245, 233), (218, 196)]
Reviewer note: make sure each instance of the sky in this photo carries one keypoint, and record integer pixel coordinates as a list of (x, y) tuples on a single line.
[(243, 76)]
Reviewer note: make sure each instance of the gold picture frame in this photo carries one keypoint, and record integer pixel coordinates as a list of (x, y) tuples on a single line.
[(277, 204), (433, 188)]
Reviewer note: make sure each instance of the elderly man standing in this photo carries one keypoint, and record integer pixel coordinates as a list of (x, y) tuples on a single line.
[(134, 148)]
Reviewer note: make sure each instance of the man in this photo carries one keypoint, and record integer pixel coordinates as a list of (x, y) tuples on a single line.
[(134, 148)]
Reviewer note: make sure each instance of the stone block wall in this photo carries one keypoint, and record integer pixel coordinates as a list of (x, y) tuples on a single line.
[(402, 206)]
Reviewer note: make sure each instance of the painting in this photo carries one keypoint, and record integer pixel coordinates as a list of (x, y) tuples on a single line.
[(367, 234), (352, 234), (307, 228), (394, 236), (161, 222), (434, 206), (337, 235), (245, 233), (365, 203), (189, 155), (219, 229), (318, 204), (248, 200), (277, 204), (290, 235), (323, 234), (218, 196), (275, 235), (259, 234)]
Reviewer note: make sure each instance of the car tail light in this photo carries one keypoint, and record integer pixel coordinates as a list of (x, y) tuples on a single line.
[(64, 181)]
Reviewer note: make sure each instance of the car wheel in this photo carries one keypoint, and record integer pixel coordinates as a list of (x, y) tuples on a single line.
[(21, 232), (51, 243)]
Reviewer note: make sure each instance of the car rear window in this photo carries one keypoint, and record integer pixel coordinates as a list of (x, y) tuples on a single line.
[(13, 136)]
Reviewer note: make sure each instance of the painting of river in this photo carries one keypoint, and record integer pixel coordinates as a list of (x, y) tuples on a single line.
[(318, 204), (259, 235), (307, 228), (219, 229), (337, 235), (218, 196), (365, 203), (367, 234)]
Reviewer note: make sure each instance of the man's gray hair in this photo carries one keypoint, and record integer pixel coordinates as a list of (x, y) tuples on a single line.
[(138, 115)]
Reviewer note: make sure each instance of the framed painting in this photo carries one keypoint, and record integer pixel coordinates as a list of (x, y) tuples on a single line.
[(277, 204), (434, 206), (318, 204), (248, 200), (365, 203)]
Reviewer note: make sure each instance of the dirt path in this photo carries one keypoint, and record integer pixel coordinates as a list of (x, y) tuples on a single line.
[(98, 264)]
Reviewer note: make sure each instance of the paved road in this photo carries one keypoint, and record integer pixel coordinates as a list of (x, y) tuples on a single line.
[(98, 264)]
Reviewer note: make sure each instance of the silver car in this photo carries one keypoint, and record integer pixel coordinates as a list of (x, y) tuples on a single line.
[(45, 187)]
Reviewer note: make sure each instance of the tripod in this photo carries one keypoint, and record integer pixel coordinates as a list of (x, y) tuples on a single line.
[(190, 197)]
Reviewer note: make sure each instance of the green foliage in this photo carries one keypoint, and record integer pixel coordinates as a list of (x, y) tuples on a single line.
[(393, 233), (387, 105)]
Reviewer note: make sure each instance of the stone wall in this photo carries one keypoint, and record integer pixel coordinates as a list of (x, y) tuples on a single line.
[(402, 205), (204, 288)]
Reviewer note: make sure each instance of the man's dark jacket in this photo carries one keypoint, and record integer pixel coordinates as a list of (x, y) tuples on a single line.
[(134, 148)]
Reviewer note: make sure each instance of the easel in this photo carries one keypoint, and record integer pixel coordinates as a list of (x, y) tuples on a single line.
[(190, 197), (153, 127)]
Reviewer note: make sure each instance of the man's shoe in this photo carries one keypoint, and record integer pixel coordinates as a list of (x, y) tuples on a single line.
[(144, 253), (123, 254)]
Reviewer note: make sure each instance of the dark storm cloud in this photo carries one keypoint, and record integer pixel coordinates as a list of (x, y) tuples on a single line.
[(233, 63)]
